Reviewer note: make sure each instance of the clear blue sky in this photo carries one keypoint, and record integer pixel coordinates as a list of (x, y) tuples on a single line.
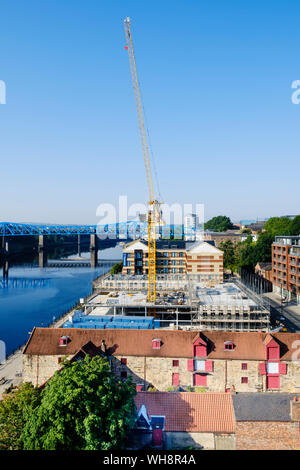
[(216, 79)]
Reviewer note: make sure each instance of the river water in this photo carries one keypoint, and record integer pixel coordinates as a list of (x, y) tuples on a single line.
[(36, 297)]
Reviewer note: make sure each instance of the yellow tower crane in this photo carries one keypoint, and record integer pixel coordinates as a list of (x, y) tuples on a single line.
[(153, 212)]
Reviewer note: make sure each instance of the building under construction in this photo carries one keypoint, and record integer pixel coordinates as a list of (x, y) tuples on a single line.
[(181, 303), (180, 286)]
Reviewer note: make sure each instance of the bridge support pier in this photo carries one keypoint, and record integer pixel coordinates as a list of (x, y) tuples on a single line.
[(5, 270), (4, 248), (94, 250), (42, 252), (4, 255), (79, 247)]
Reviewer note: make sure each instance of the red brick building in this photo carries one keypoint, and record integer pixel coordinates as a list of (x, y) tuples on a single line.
[(265, 270), (266, 421), (286, 266)]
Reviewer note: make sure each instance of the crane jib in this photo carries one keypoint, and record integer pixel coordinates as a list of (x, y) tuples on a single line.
[(153, 213)]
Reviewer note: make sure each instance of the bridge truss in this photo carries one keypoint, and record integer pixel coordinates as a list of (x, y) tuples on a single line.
[(123, 230)]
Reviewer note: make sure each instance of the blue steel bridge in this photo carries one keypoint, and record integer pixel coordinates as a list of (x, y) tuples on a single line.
[(119, 231), (123, 230)]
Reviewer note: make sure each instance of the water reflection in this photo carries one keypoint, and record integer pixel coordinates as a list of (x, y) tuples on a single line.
[(21, 283), (30, 296)]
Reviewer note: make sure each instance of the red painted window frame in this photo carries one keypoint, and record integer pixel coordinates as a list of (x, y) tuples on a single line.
[(199, 345), (244, 366), (63, 341), (200, 350), (275, 349), (124, 361), (244, 380), (156, 344), (272, 345), (175, 363)]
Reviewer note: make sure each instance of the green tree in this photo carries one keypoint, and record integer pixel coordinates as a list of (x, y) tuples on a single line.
[(221, 223), (15, 408), (117, 268), (263, 250), (295, 226), (245, 253), (278, 226), (83, 407), (229, 254)]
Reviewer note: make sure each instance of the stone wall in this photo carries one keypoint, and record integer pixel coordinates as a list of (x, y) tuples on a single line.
[(264, 435), (158, 371), (183, 440), (226, 374), (39, 369)]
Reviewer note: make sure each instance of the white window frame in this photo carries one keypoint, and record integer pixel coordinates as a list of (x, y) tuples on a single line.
[(201, 363), (272, 368)]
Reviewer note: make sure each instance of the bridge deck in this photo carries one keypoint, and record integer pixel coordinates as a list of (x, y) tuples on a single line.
[(120, 231)]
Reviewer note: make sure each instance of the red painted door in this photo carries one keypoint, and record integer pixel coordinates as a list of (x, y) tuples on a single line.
[(200, 380), (157, 437), (273, 353), (175, 379), (273, 381), (200, 350)]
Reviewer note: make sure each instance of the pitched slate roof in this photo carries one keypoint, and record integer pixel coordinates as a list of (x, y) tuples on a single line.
[(204, 247), (207, 245), (262, 406), (247, 346), (190, 412), (265, 266)]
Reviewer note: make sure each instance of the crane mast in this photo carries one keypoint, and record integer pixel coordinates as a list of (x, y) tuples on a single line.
[(153, 212)]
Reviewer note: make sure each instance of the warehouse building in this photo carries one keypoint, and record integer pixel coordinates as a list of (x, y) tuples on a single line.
[(215, 361)]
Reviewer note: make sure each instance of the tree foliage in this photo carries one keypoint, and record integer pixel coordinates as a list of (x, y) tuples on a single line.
[(82, 408), (263, 247), (248, 253), (221, 223), (15, 408), (117, 268), (295, 226), (278, 226), (229, 254)]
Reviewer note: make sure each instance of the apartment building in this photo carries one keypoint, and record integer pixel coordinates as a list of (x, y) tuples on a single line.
[(202, 261), (286, 266)]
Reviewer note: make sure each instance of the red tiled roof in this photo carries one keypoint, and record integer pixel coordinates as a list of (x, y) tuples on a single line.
[(190, 411), (175, 344)]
